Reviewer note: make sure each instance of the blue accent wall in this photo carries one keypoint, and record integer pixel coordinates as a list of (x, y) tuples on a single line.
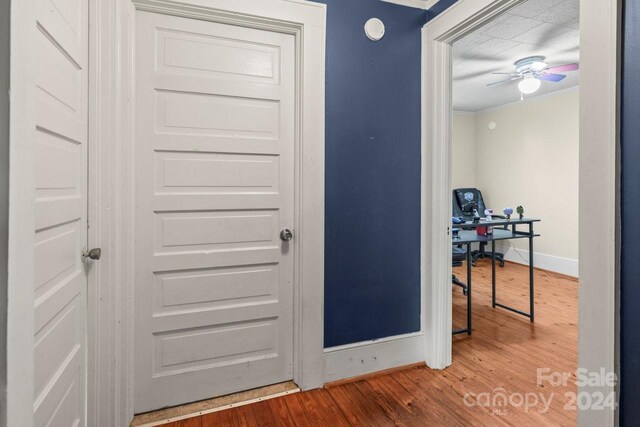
[(439, 7), (372, 195), (630, 205)]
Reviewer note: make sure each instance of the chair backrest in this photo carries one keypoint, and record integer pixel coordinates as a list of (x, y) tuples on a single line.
[(465, 200), (458, 254)]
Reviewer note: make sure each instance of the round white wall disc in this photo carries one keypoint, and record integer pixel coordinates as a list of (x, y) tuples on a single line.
[(374, 29)]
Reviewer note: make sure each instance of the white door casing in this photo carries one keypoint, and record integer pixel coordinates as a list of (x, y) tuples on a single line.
[(438, 36), (214, 153), (61, 212), (112, 180)]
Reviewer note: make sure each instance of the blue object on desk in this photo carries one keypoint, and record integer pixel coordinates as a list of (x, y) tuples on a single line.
[(457, 220)]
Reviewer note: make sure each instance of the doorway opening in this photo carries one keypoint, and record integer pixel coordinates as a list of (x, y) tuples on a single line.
[(597, 143), (514, 171)]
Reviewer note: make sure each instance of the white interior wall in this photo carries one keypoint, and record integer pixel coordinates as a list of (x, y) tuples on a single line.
[(529, 159), (463, 150)]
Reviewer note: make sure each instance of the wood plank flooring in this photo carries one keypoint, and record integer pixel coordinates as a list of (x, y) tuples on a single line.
[(499, 359)]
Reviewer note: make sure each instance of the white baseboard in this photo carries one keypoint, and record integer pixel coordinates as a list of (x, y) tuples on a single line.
[(557, 264), (371, 356)]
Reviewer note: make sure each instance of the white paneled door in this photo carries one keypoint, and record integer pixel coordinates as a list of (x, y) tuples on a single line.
[(214, 157), (61, 212)]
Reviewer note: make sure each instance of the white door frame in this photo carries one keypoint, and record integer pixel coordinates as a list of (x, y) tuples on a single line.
[(438, 35), (112, 202), (599, 94)]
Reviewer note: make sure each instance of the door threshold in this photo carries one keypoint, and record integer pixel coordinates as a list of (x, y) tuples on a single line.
[(202, 407)]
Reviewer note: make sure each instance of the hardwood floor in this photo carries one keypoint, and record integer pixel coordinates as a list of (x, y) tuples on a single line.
[(499, 359)]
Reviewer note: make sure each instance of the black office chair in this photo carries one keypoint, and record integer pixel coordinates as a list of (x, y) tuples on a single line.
[(458, 256), (465, 200)]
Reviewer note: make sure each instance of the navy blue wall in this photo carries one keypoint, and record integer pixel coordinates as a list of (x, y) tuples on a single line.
[(630, 201), (439, 7), (372, 200)]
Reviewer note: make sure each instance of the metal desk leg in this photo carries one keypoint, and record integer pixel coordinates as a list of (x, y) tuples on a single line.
[(493, 273), (530, 314), (468, 288), (531, 297), (468, 328)]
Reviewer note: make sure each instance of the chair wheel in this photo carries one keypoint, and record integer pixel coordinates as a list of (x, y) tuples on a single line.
[(501, 263)]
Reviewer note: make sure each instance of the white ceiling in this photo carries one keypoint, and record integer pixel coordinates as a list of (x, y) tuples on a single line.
[(548, 28)]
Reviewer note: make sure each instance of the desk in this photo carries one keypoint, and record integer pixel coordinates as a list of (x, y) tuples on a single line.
[(468, 235)]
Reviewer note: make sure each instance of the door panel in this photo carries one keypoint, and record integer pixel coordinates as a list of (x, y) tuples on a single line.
[(61, 212), (214, 187)]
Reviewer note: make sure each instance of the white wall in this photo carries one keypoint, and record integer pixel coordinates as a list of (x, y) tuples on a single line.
[(463, 150), (531, 159)]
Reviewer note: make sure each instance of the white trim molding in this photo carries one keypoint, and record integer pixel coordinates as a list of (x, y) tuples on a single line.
[(112, 201), (418, 4), (362, 358), (598, 336), (566, 266), (110, 283)]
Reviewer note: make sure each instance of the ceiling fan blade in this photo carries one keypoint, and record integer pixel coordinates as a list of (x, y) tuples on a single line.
[(552, 77), (563, 68), (504, 81)]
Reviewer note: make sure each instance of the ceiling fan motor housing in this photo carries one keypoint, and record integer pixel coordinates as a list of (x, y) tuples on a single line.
[(526, 65)]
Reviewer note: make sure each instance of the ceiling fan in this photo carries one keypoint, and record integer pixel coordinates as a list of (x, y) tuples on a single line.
[(532, 70)]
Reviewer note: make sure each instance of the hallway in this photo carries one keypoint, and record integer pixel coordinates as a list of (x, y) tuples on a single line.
[(504, 351)]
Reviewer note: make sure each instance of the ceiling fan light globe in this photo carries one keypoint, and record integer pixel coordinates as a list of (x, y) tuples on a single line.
[(529, 85)]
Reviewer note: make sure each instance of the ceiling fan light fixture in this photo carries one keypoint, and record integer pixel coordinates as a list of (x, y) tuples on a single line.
[(529, 85)]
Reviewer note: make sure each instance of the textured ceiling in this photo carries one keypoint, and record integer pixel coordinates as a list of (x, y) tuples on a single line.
[(548, 28)]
